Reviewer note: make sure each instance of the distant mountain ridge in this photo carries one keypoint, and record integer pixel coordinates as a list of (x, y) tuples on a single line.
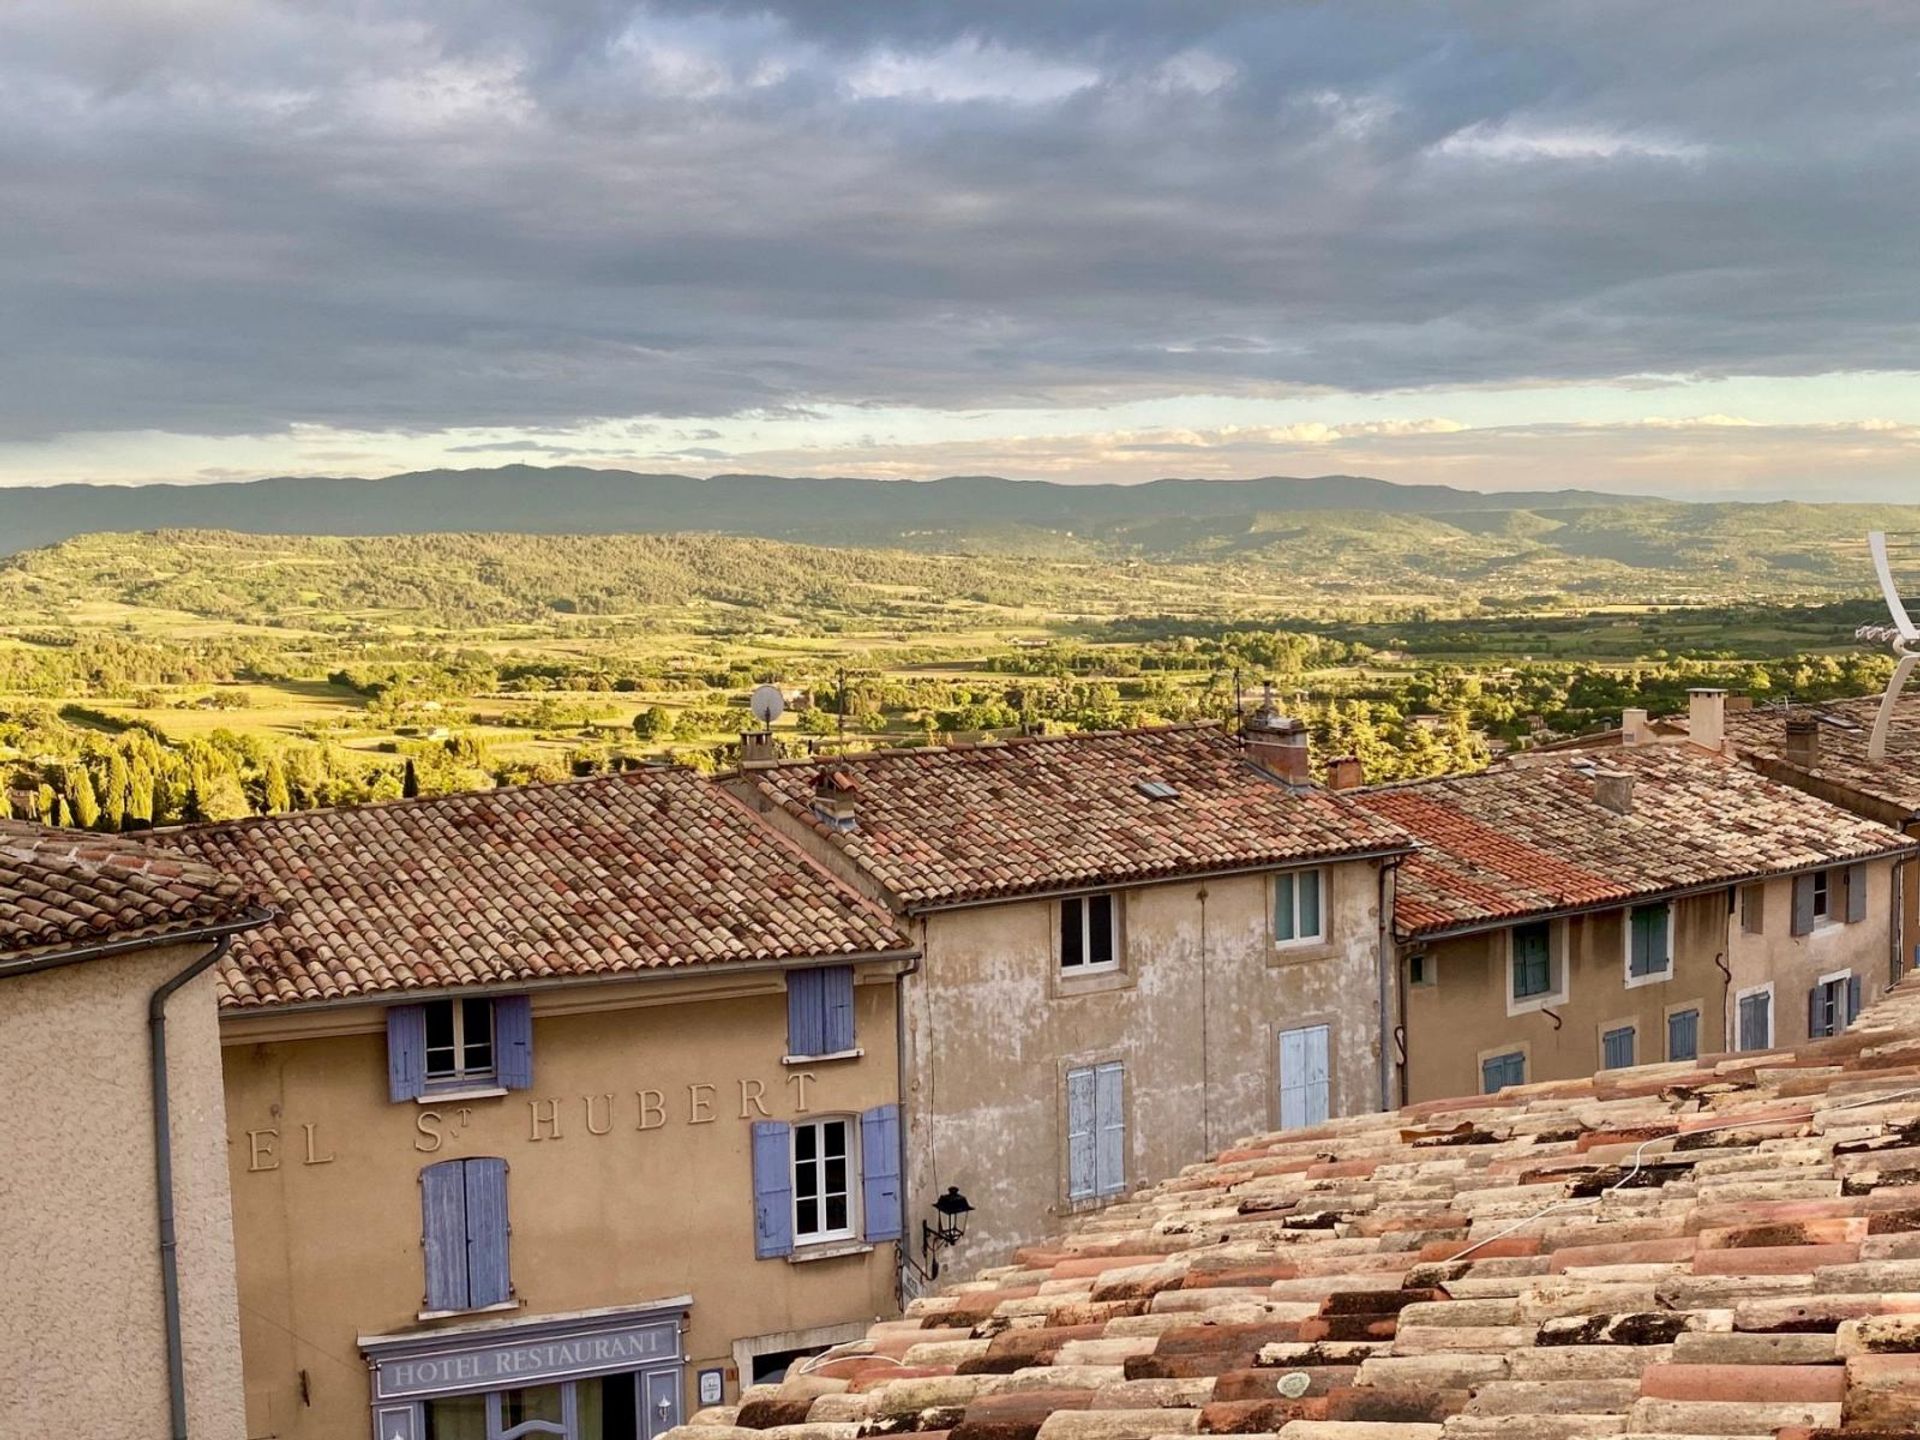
[(537, 500)]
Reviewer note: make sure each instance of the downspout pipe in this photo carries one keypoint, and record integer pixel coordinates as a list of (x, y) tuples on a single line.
[(1389, 959), (900, 978)]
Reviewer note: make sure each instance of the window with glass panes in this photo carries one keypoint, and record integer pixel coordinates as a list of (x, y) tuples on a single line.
[(459, 1039), (1647, 949), (1532, 960), (1296, 906), (822, 1203), (1089, 932)]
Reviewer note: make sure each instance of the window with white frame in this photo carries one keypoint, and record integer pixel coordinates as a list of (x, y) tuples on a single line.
[(459, 1039), (1649, 943), (1833, 1004), (1499, 1071), (1753, 1018), (1822, 896), (1090, 933), (1299, 914), (1532, 968), (822, 1175)]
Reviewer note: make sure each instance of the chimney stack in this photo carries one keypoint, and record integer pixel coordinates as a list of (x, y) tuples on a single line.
[(834, 794), (1614, 790), (1634, 729), (758, 747), (1803, 742), (1277, 743), (1343, 772), (1707, 718)]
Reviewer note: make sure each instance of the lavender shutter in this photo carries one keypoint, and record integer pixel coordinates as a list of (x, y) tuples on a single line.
[(443, 1234), (1856, 894), (1080, 1134), (1110, 1154), (488, 1281), (772, 1189), (806, 1012), (880, 1172), (1802, 905), (837, 992), (406, 1052), (513, 1041), (1853, 999)]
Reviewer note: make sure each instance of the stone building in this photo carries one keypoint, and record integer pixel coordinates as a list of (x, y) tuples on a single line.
[(560, 1107), (1135, 946), (118, 1242), (1594, 910)]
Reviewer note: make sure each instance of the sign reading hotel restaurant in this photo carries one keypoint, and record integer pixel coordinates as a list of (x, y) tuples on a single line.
[(452, 1367)]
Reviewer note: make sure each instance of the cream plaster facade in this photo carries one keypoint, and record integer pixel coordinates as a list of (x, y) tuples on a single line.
[(1463, 1014), (82, 1336), (629, 1179)]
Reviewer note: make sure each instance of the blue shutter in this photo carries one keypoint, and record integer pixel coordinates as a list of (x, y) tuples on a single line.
[(837, 988), (1080, 1134), (1617, 1048), (513, 1041), (443, 1234), (1683, 1035), (1802, 905), (880, 1172), (806, 1012), (1856, 894), (772, 1188), (1110, 1117), (1817, 1022), (1853, 999), (406, 1052), (488, 1281)]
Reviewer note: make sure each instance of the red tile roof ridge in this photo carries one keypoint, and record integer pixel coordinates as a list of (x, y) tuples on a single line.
[(895, 752)]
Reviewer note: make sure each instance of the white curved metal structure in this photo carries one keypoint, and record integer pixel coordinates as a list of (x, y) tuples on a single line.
[(1901, 635)]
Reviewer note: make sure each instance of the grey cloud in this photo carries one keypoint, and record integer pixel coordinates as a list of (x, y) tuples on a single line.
[(413, 216)]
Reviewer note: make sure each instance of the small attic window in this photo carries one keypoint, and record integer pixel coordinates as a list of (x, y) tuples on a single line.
[(1156, 789), (1838, 722)]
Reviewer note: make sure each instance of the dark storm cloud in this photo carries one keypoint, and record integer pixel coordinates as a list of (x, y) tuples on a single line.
[(228, 217)]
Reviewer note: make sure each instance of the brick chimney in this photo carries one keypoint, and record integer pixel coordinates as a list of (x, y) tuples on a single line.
[(1614, 790), (1707, 718), (1343, 772), (1803, 742), (834, 796), (1277, 743), (1634, 728)]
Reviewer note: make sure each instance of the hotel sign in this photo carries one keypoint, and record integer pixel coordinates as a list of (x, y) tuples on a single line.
[(452, 1367)]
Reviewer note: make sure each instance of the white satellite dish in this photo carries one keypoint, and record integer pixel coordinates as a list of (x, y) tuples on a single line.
[(1901, 634), (767, 704)]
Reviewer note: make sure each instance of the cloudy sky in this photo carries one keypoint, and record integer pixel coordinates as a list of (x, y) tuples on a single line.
[(1637, 246)]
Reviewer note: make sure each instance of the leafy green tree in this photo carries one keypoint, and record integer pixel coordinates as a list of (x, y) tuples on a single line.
[(81, 800), (653, 723)]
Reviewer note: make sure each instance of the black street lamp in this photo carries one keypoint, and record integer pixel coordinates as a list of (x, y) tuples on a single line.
[(953, 1210)]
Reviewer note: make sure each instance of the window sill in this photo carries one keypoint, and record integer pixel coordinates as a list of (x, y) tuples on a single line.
[(1658, 977), (1534, 1003), (1081, 980), (827, 1250), (828, 1058), (460, 1092), (476, 1310), (1297, 952)]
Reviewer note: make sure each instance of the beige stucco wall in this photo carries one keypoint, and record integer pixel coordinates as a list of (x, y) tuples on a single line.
[(993, 1027), (82, 1337), (1795, 962), (330, 1250)]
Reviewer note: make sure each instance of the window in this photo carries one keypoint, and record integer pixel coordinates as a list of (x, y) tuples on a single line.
[(1822, 896), (1096, 1131), (822, 1181), (1833, 1004), (1683, 1035), (1753, 1011), (1649, 950), (1616, 1048), (1089, 933), (1753, 909), (1827, 897), (1296, 907), (829, 1179), (463, 1205), (461, 1044), (1532, 960), (1304, 1085), (1499, 1071), (820, 1011), (1421, 970)]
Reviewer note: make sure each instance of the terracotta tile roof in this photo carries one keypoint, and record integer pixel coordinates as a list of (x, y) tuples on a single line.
[(946, 824), (1530, 838), (61, 889), (1728, 1247), (1761, 733), (619, 873)]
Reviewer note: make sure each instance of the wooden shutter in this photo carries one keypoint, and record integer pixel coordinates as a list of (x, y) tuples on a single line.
[(513, 1041), (1802, 905), (1303, 1077), (1683, 1035), (1856, 894), (1080, 1134), (880, 1172), (1853, 1000), (443, 1234), (837, 997), (806, 1012), (406, 1052), (488, 1278), (1617, 1048), (1817, 1024), (772, 1188), (1110, 1154)]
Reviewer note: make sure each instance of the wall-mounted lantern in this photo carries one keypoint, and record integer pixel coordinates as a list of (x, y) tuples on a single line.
[(953, 1210)]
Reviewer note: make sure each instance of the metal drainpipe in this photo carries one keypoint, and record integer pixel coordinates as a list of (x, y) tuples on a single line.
[(1386, 958), (900, 1086), (163, 1180)]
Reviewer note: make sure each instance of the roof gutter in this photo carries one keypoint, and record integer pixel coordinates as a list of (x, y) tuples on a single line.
[(106, 949)]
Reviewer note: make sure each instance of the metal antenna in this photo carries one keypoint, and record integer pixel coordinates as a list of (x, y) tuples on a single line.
[(1901, 635), (841, 728)]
